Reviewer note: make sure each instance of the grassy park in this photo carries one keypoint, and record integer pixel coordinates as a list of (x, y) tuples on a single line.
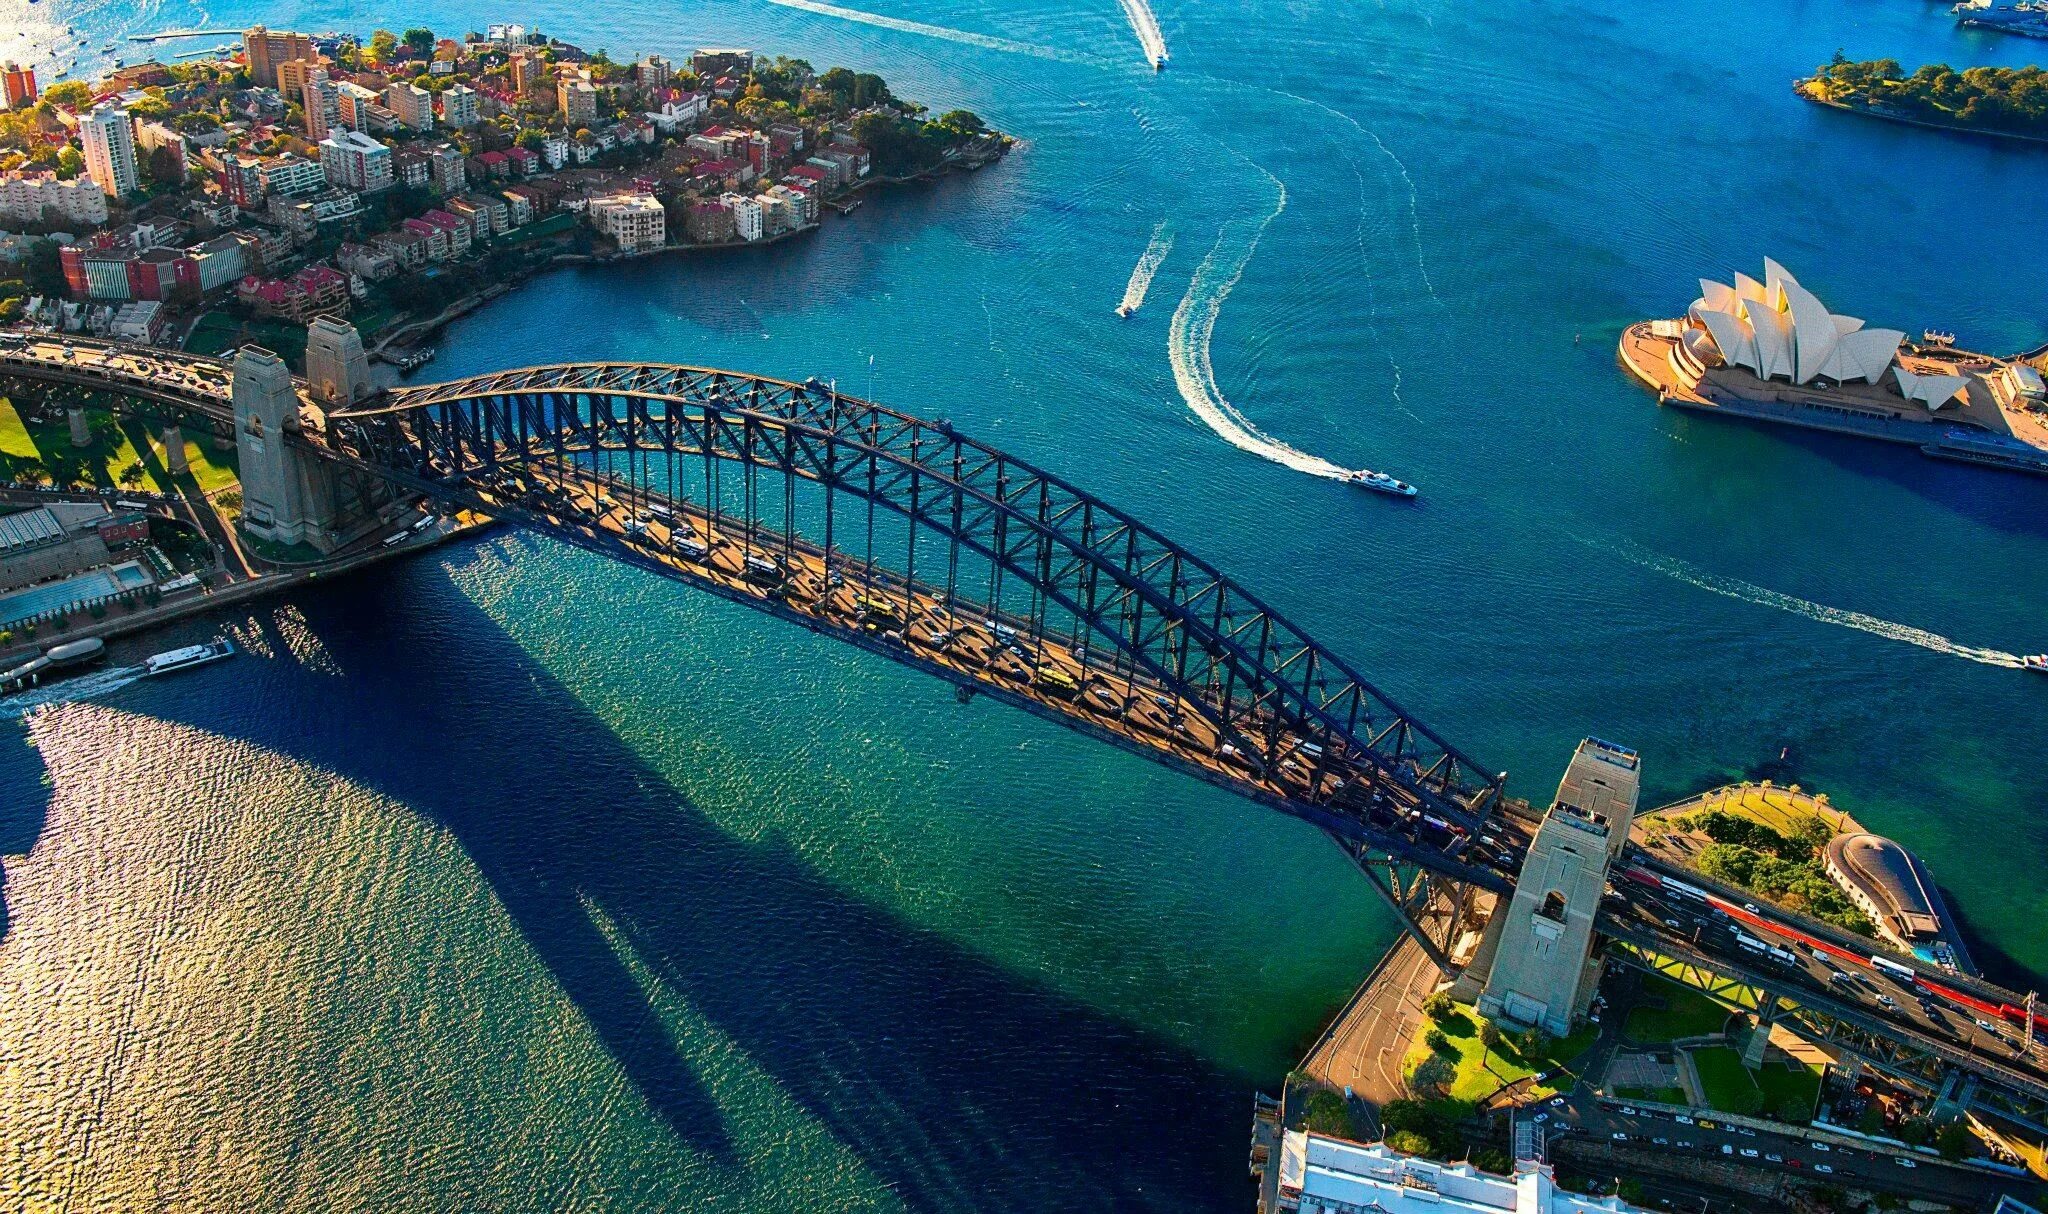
[(125, 452), (1452, 1058), (1786, 1090)]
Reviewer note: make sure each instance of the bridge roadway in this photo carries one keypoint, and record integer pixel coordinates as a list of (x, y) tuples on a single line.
[(1687, 930), (993, 653), (1002, 654)]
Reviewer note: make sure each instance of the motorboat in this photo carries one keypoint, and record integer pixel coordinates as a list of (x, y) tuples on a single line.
[(173, 660), (1125, 310), (2036, 662), (1380, 482)]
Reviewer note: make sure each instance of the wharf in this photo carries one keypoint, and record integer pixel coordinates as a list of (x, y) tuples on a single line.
[(365, 553), (1851, 409)]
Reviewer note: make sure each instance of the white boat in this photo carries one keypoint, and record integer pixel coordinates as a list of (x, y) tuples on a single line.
[(1380, 482), (173, 660), (1124, 310), (2036, 662)]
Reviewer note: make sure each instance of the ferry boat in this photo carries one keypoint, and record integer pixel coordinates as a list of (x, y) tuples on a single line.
[(173, 660), (1380, 482), (2036, 662)]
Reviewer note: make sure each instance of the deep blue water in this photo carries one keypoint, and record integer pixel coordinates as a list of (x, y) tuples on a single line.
[(509, 879)]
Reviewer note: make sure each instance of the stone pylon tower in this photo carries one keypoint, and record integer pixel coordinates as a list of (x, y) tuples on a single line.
[(285, 496), (1543, 973), (337, 370)]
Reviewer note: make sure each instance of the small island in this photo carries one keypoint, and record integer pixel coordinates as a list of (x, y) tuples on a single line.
[(2010, 103)]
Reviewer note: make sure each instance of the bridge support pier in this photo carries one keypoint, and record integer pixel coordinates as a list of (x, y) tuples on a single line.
[(175, 462), (80, 435), (1760, 1036), (1543, 970), (289, 496), (1958, 1090)]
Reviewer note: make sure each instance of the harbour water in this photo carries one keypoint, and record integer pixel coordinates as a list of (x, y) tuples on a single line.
[(509, 879)]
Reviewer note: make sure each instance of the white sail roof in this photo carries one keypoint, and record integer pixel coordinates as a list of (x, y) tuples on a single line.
[(1779, 329), (1934, 391)]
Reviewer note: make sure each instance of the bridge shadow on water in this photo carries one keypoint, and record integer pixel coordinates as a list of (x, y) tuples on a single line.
[(960, 1085)]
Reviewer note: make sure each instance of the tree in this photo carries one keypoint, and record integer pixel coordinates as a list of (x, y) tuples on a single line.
[(1953, 1140), (164, 165), (70, 163), (1436, 1041), (1438, 1006), (1494, 1160), (1489, 1034), (420, 42), (383, 45), (1408, 1142), (1326, 1113), (68, 94)]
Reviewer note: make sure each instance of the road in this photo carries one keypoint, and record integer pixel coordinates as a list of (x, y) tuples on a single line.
[(1690, 925), (1362, 1051), (1708, 1138)]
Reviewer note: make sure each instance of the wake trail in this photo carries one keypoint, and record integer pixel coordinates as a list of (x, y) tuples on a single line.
[(1407, 179), (1148, 264), (985, 41), (1146, 26), (1194, 323), (69, 691), (1748, 592)]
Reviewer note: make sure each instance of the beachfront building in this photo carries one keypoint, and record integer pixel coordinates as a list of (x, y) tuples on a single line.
[(1324, 1175), (635, 222)]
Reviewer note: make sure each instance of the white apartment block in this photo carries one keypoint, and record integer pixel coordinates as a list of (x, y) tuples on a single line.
[(635, 222), (109, 138)]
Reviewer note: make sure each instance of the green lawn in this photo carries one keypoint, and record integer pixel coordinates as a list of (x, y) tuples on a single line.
[(115, 445), (1782, 1088), (1790, 1090), (1729, 1085), (1685, 1013), (1468, 1071)]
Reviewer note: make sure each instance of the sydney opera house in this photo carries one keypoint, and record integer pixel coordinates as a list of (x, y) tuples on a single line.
[(1770, 350)]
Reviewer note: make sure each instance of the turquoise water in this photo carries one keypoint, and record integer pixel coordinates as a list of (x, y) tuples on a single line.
[(509, 879)]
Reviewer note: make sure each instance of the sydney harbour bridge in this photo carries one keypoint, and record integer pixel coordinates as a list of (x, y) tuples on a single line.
[(906, 538)]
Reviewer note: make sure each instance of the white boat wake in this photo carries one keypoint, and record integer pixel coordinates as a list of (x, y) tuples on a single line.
[(1194, 321), (985, 41), (1747, 592), (68, 691), (1146, 27), (1148, 264)]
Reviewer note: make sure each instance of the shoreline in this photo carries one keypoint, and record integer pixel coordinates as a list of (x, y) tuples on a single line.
[(285, 579), (1801, 89), (412, 332)]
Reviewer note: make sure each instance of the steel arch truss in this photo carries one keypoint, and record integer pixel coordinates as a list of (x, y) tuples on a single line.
[(917, 506)]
